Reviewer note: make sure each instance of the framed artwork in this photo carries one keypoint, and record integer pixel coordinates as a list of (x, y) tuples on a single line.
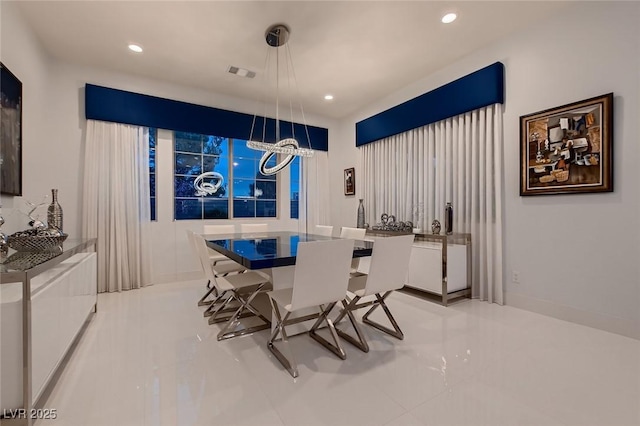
[(350, 181), (568, 149), (10, 133)]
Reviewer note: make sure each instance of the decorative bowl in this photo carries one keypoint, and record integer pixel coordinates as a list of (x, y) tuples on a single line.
[(35, 243)]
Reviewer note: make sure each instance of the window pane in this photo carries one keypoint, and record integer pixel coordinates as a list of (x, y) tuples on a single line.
[(188, 164), (265, 189), (188, 142), (240, 150), (152, 185), (271, 163), (153, 208), (265, 209), (244, 168), (216, 164), (153, 134), (183, 186), (188, 209), (294, 170), (152, 160), (294, 188), (243, 188), (216, 209), (222, 192), (244, 208), (215, 145)]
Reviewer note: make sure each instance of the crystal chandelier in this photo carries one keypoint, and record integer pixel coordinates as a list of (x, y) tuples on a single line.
[(277, 36)]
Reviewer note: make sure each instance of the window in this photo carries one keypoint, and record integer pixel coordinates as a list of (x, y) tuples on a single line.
[(153, 134), (295, 188), (244, 193)]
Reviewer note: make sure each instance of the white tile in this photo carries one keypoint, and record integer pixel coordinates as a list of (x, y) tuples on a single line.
[(150, 358)]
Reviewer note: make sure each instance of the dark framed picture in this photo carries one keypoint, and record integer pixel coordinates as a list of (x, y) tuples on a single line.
[(10, 133), (350, 181), (568, 149)]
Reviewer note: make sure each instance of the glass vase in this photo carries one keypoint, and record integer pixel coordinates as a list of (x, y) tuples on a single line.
[(54, 212)]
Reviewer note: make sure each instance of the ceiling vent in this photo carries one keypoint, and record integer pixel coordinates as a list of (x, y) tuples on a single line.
[(241, 72)]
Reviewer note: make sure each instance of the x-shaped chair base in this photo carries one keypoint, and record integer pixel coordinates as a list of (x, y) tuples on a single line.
[(352, 305), (245, 300), (289, 361), (211, 290)]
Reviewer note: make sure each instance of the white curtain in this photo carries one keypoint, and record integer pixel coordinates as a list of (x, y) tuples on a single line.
[(459, 160), (116, 203), (314, 192)]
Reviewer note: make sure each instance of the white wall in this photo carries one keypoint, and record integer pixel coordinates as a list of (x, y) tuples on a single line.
[(54, 126), (578, 255)]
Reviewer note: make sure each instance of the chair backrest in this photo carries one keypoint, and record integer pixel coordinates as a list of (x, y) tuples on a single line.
[(203, 254), (325, 230), (353, 233), (322, 272), (389, 263), (254, 227), (219, 229)]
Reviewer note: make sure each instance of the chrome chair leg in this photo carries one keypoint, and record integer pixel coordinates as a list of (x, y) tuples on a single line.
[(290, 362), (245, 304), (203, 300), (396, 332), (360, 342), (336, 348)]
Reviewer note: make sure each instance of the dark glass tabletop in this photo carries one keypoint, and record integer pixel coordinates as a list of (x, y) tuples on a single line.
[(270, 249)]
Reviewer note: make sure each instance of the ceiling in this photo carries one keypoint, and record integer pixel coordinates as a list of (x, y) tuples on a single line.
[(359, 51)]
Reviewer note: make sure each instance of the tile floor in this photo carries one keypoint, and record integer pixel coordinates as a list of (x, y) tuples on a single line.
[(149, 358)]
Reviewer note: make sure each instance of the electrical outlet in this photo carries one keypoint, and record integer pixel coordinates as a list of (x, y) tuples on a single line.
[(515, 277)]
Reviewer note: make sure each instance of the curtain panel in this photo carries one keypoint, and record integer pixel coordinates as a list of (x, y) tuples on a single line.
[(459, 160), (314, 192), (116, 203)]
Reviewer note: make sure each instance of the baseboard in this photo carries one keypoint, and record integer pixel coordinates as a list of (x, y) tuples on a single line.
[(579, 316), (180, 276)]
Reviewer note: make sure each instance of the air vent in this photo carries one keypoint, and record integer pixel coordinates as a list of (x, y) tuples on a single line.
[(241, 72)]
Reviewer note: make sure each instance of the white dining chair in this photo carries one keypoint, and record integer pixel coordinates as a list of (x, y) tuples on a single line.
[(320, 279), (353, 234), (325, 230), (217, 230), (239, 289), (220, 265), (249, 228), (387, 272)]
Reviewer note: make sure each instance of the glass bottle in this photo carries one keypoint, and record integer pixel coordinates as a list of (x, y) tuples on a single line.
[(54, 212), (361, 214), (448, 219)]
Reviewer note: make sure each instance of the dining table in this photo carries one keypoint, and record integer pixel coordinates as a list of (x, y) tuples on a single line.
[(262, 250), (274, 254)]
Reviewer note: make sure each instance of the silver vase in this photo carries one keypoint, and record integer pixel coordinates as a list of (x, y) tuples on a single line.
[(361, 214), (54, 212)]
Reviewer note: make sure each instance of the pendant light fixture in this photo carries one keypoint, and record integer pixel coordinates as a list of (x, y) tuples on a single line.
[(277, 37)]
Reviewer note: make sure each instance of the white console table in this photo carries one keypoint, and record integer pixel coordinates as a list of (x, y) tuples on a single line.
[(46, 298)]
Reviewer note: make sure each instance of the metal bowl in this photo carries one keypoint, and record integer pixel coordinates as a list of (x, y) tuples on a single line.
[(35, 243)]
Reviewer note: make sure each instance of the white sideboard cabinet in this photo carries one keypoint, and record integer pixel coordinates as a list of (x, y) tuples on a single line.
[(441, 266), (46, 298)]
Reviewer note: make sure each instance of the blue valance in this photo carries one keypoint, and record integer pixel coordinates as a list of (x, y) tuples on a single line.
[(106, 104), (476, 90)]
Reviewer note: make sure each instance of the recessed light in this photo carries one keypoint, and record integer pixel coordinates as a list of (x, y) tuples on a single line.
[(449, 18), (135, 48), (328, 97)]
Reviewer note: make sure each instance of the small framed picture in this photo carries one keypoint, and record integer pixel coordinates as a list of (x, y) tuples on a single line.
[(350, 181), (568, 149)]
